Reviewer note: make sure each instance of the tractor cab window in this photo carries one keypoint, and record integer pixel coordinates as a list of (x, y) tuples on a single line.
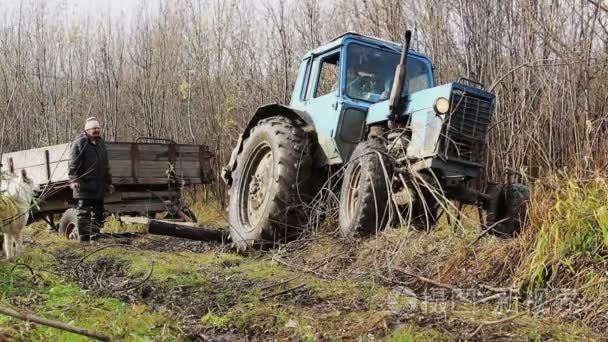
[(328, 75), (370, 72)]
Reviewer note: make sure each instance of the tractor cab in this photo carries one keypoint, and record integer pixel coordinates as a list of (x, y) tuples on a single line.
[(339, 81)]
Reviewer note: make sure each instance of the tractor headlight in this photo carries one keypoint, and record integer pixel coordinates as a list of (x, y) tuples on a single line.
[(441, 105)]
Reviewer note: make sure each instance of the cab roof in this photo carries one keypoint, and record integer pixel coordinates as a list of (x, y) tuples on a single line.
[(343, 38)]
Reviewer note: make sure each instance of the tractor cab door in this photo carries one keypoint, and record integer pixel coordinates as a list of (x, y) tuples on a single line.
[(339, 124), (323, 102)]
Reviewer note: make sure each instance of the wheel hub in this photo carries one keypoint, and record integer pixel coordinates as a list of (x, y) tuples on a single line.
[(353, 192), (259, 185), (71, 232)]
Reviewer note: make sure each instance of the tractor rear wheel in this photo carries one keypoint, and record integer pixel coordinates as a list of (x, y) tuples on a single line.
[(271, 184), (508, 209), (364, 198)]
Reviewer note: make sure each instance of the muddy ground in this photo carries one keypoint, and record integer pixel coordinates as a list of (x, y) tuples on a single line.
[(162, 288)]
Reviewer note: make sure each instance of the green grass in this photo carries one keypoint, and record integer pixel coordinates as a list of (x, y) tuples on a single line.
[(59, 299), (229, 287), (574, 229), (413, 333)]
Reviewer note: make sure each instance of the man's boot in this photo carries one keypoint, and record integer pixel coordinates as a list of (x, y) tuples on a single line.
[(95, 231), (84, 225)]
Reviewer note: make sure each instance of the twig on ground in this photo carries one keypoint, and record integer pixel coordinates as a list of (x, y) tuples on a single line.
[(29, 268), (322, 261), (140, 283), (427, 280), (281, 283), (291, 289), (23, 265), (53, 324), (498, 321), (100, 249), (303, 269), (485, 232)]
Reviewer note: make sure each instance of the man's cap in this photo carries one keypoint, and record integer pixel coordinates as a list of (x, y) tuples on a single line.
[(91, 123)]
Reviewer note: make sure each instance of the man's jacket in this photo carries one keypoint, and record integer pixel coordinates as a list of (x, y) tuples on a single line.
[(89, 166)]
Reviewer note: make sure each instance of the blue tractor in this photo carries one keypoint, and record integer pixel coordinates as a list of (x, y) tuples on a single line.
[(369, 110)]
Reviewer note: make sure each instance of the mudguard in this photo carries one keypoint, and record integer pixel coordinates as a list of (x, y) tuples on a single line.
[(300, 118)]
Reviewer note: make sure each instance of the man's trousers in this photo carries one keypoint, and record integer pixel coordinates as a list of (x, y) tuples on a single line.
[(90, 218)]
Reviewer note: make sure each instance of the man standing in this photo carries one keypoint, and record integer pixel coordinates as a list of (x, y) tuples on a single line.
[(90, 179)]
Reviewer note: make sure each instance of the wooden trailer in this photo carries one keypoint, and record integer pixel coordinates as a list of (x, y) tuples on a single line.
[(148, 175)]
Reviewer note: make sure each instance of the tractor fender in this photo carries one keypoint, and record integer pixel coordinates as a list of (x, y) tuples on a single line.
[(299, 117)]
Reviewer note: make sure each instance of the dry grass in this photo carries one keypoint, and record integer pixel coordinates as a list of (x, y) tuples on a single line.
[(564, 246), (206, 207)]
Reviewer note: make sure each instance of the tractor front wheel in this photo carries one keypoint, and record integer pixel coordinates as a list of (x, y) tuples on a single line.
[(508, 209), (364, 198), (271, 184)]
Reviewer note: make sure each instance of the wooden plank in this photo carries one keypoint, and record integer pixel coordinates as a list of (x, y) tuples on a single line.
[(187, 148), (121, 172), (154, 147), (154, 163), (120, 163), (150, 180), (135, 206), (154, 152), (27, 158), (37, 156), (147, 194), (59, 171), (121, 168), (113, 146), (119, 155), (183, 164), (59, 152), (187, 156)]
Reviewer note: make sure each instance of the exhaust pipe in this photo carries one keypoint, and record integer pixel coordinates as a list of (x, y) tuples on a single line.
[(395, 101)]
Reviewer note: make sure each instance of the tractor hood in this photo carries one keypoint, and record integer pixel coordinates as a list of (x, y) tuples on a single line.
[(425, 123), (461, 131)]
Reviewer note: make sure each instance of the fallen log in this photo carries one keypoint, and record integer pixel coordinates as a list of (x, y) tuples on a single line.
[(183, 231), (186, 230)]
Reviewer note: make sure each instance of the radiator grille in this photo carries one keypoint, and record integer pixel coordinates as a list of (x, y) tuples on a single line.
[(466, 126)]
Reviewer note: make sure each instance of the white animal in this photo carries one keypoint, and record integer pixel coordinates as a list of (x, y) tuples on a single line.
[(20, 191)]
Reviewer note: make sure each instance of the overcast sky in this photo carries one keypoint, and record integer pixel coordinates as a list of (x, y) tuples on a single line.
[(76, 10), (116, 7)]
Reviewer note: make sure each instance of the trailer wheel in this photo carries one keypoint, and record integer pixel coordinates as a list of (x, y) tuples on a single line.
[(364, 197), (271, 183), (508, 209), (68, 226)]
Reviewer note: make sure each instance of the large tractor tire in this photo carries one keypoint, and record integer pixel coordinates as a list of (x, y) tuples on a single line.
[(508, 209), (365, 194), (271, 184), (68, 226)]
